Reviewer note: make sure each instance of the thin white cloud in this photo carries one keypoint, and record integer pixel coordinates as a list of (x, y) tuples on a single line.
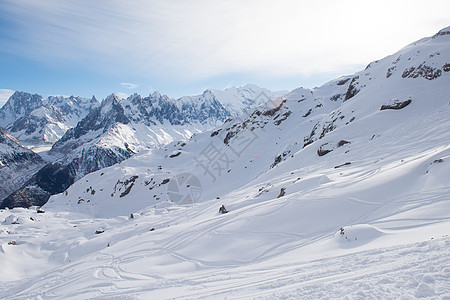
[(128, 85), (193, 40), (4, 96), (122, 95)]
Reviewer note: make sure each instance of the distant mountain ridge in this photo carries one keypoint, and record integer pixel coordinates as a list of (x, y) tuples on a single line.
[(35, 121), (117, 129)]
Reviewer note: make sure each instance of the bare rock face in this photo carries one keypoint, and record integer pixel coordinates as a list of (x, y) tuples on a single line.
[(324, 149), (422, 70), (396, 104)]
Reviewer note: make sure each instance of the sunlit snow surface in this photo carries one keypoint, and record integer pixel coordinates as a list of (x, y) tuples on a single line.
[(370, 219)]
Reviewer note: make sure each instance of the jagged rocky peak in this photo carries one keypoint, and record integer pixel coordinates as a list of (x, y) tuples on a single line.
[(101, 118), (111, 111), (47, 120), (110, 100), (72, 101), (135, 99), (19, 105)]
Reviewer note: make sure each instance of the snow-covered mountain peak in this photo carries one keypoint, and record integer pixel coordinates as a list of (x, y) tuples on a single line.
[(46, 120), (19, 105), (156, 95), (111, 99)]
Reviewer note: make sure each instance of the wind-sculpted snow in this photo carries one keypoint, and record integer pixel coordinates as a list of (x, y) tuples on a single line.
[(367, 219)]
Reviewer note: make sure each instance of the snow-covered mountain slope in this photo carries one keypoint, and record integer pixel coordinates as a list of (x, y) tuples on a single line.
[(48, 122), (341, 191), (235, 100), (120, 128), (17, 164), (19, 105)]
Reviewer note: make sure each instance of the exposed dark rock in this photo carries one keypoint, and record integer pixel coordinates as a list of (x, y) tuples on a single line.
[(307, 113), (127, 190), (52, 179), (175, 155), (308, 142), (396, 105), (442, 33), (284, 117), (346, 164), (335, 97), (390, 71), (422, 70), (342, 143), (214, 133), (279, 158), (371, 64), (352, 89), (223, 210), (127, 185), (329, 127), (228, 137), (324, 149), (282, 193), (343, 81)]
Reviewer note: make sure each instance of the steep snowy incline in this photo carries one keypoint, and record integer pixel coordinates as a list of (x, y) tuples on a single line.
[(338, 191), (373, 112), (17, 164)]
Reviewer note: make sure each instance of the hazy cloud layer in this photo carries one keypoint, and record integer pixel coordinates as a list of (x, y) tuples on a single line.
[(192, 40)]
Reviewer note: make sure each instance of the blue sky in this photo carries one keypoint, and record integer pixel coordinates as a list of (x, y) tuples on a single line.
[(85, 47)]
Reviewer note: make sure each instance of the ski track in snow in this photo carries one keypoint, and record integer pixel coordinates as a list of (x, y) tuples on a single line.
[(407, 271)]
